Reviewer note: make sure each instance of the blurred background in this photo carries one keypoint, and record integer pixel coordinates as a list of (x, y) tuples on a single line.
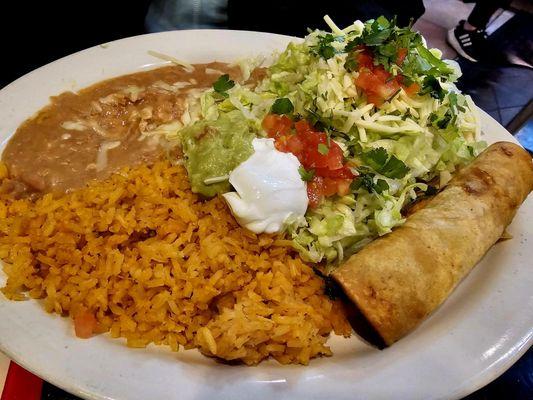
[(494, 46), (491, 39)]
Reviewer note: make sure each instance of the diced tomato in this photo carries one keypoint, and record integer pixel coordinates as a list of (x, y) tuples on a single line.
[(367, 80), (295, 145), (402, 53), (375, 99), (343, 186), (305, 145), (343, 172), (387, 90), (378, 84), (382, 75), (336, 156), (364, 58), (303, 127), (321, 187), (84, 324), (269, 123), (313, 157), (276, 125), (412, 89), (315, 190), (329, 187), (314, 151), (291, 144)]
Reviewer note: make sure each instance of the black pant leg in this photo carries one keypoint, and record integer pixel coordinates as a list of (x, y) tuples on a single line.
[(483, 10)]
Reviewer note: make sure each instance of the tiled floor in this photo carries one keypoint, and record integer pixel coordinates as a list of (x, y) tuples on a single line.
[(502, 92)]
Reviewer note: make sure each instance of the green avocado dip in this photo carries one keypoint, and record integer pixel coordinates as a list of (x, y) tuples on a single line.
[(215, 148)]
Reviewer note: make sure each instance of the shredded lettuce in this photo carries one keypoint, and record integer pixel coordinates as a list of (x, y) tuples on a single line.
[(408, 141), (395, 149)]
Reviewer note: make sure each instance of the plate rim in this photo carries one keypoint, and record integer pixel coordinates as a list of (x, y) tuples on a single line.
[(480, 380)]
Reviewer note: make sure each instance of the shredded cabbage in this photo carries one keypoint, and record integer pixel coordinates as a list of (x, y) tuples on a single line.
[(417, 130), (425, 136)]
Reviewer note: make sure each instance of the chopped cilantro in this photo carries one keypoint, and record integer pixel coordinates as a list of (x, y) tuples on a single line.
[(377, 36), (376, 158), (446, 115), (351, 64), (452, 97), (366, 180), (320, 122), (324, 48), (440, 122), (385, 39), (414, 66), (440, 66), (282, 106), (394, 168), (374, 34), (323, 149), (455, 107), (432, 86), (407, 114), (223, 84), (306, 175), (387, 165), (352, 45), (380, 186), (358, 182)]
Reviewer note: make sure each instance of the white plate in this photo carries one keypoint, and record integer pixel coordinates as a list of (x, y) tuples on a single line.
[(479, 332)]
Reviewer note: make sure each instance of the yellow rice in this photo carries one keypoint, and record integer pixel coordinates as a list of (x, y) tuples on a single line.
[(155, 264)]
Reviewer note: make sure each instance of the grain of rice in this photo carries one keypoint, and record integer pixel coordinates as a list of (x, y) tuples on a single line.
[(150, 262)]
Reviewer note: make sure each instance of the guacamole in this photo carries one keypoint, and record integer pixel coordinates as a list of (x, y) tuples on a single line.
[(214, 148)]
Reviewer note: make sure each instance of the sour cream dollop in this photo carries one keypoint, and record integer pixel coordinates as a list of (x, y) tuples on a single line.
[(268, 187)]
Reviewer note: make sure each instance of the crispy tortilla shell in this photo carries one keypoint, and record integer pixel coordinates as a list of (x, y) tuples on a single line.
[(399, 279)]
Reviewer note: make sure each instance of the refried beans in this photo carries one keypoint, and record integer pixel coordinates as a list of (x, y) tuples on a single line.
[(92, 133)]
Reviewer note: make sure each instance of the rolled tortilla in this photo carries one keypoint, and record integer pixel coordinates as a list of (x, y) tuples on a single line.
[(399, 279)]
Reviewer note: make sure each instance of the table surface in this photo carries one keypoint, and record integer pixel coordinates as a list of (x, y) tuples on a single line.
[(4, 365)]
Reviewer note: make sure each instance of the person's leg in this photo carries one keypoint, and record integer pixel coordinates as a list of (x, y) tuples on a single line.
[(468, 38), (482, 12)]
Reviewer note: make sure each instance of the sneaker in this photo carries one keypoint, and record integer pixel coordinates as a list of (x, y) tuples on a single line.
[(469, 44)]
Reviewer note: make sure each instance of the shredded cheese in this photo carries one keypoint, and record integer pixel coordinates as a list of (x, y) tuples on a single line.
[(475, 115), (334, 28), (74, 125), (212, 71), (101, 156), (374, 126), (186, 66), (216, 179), (166, 87)]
